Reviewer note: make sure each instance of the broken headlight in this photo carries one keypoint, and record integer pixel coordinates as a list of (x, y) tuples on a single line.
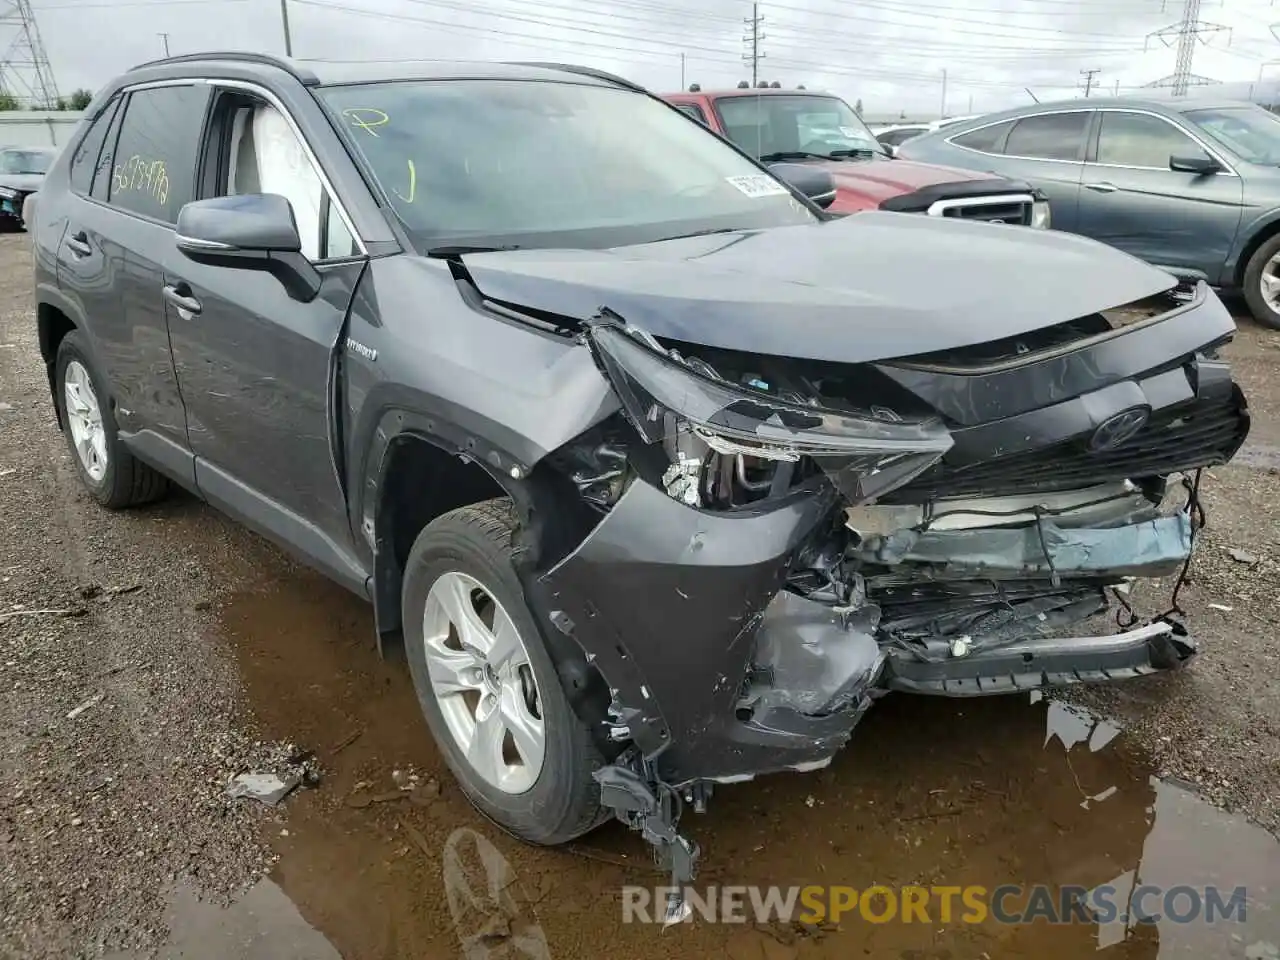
[(718, 432)]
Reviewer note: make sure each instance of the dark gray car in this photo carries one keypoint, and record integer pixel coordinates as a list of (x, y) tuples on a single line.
[(659, 474), (1189, 185), (22, 171)]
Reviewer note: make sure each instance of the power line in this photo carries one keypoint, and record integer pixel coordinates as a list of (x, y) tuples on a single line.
[(753, 39), (25, 64), (1189, 31)]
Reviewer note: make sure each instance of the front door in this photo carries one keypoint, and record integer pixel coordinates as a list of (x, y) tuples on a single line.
[(257, 368), (1131, 199)]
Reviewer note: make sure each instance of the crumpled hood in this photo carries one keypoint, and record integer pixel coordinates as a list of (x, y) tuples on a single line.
[(25, 182), (872, 286), (875, 181)]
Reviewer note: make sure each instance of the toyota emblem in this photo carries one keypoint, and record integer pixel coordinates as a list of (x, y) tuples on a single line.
[(1116, 429)]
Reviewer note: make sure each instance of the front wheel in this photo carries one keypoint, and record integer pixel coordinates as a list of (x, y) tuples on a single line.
[(1262, 283), (486, 683)]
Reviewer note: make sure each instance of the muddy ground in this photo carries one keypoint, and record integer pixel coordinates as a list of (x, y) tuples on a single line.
[(149, 656)]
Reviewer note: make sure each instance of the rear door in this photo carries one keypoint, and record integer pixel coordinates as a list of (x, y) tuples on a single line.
[(111, 259), (1048, 151), (1131, 199)]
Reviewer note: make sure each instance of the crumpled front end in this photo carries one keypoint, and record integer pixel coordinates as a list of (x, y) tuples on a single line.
[(782, 541)]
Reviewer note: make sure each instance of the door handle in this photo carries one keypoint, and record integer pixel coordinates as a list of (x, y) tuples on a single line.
[(1102, 187), (179, 294), (78, 244)]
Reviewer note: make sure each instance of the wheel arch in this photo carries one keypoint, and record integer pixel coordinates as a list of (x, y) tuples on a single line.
[(52, 326), (1260, 234)]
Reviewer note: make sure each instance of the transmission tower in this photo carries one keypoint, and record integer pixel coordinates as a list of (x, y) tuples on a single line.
[(25, 72), (1189, 31), (752, 54)]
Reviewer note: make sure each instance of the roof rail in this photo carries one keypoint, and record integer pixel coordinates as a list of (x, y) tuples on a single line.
[(584, 71), (302, 74)]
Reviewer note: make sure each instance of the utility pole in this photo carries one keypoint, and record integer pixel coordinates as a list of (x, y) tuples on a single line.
[(1088, 79), (165, 38), (1189, 31), (1115, 91), (682, 71), (942, 114), (24, 68), (753, 54), (284, 22)]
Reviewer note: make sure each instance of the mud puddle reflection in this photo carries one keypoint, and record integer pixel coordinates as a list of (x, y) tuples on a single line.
[(930, 793)]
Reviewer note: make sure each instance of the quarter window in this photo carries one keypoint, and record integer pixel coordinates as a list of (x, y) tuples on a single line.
[(153, 172), (984, 139), (1141, 140), (1050, 136)]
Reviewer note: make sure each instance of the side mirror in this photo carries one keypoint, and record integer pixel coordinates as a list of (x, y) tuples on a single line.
[(1201, 165), (814, 182), (255, 231)]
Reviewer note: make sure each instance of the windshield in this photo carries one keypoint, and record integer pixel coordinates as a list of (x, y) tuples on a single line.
[(542, 164), (773, 127), (25, 161), (1251, 133)]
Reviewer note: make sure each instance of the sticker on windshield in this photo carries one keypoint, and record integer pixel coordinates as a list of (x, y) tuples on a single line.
[(852, 133), (759, 185)]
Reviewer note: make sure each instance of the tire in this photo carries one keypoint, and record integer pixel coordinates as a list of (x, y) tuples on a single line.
[(125, 481), (1262, 311), (476, 542)]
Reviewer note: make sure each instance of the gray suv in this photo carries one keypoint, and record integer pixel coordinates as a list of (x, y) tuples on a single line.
[(1189, 185), (658, 474)]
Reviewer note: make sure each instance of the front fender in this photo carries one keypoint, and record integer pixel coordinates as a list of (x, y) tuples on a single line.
[(1253, 224)]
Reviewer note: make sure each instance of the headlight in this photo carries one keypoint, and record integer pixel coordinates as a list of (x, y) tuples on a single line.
[(864, 455), (8, 193), (1040, 214)]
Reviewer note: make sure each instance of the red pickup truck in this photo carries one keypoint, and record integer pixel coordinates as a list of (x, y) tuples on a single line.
[(801, 126)]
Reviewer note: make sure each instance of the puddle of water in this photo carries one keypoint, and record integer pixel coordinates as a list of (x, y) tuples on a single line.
[(930, 792)]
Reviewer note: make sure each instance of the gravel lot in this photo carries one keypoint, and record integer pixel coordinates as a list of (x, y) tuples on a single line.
[(147, 657)]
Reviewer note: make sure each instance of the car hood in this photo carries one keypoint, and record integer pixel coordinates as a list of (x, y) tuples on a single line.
[(878, 180), (871, 286), (26, 182)]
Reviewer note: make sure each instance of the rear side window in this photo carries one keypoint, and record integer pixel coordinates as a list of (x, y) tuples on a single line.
[(85, 160), (693, 110), (984, 139), (153, 172), (1050, 136)]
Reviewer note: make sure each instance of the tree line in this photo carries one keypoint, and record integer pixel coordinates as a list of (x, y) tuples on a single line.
[(78, 100)]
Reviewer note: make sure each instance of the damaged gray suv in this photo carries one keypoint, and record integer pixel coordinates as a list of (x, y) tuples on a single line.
[(658, 473)]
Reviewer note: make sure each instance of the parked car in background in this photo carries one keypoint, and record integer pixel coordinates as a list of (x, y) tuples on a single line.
[(22, 171), (893, 137), (1189, 185), (820, 129)]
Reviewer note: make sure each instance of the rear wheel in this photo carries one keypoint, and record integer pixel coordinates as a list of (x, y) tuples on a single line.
[(1262, 283), (112, 474), (486, 683)]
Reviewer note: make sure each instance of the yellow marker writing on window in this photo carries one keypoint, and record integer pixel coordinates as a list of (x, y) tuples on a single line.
[(366, 118), (413, 184)]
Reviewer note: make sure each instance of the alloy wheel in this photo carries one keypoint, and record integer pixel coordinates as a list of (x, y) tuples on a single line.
[(481, 676), (84, 417), (1269, 281)]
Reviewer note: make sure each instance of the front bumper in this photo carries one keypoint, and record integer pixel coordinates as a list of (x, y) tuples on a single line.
[(718, 676)]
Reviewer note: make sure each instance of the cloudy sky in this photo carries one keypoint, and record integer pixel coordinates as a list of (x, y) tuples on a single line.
[(891, 54)]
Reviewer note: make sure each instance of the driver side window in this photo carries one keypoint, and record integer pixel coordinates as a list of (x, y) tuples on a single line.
[(264, 155)]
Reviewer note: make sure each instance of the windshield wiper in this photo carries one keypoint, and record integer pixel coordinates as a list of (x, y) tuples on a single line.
[(854, 152), (793, 155), (462, 249)]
